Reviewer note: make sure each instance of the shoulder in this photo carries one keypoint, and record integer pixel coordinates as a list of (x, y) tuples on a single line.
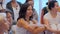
[(21, 20), (46, 15)]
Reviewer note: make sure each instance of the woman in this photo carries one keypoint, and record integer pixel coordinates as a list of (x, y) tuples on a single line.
[(45, 10), (14, 6), (25, 24), (31, 2), (52, 18)]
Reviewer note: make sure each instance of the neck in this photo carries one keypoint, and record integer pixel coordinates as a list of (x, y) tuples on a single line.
[(53, 13)]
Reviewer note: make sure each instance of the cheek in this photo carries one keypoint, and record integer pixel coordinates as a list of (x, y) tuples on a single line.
[(56, 8), (29, 12)]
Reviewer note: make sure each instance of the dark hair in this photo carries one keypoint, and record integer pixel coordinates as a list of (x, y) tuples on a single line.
[(23, 11), (28, 1), (51, 4), (48, 2)]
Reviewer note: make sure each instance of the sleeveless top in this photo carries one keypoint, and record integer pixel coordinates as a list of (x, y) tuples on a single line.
[(51, 19)]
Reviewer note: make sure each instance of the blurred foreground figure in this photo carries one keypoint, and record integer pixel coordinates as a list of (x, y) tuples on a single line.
[(6, 15), (4, 26)]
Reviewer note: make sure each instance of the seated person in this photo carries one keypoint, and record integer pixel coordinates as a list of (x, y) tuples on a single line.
[(26, 24), (52, 18)]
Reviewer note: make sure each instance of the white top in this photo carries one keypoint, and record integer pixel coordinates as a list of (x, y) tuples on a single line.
[(16, 12), (52, 20)]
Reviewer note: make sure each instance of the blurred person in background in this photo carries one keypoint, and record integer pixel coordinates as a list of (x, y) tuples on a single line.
[(8, 16), (15, 7)]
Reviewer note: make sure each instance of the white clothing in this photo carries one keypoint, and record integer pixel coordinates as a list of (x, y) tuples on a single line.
[(16, 12), (53, 21)]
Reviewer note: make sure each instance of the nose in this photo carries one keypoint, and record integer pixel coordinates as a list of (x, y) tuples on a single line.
[(31, 11)]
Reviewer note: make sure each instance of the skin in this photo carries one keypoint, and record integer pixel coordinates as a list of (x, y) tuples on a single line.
[(3, 26)]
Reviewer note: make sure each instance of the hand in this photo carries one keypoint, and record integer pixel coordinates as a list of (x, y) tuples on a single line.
[(52, 30), (58, 31), (38, 30)]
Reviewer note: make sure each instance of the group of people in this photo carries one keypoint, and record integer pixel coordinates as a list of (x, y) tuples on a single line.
[(20, 18)]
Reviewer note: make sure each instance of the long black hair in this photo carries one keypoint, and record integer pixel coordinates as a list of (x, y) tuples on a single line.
[(23, 11)]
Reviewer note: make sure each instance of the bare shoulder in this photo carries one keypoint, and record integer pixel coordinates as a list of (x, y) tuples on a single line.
[(21, 20)]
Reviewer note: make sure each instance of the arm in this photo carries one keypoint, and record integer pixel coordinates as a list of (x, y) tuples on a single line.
[(23, 23), (37, 27), (46, 22)]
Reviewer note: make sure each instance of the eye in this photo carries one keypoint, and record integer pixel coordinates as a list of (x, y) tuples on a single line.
[(29, 9)]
